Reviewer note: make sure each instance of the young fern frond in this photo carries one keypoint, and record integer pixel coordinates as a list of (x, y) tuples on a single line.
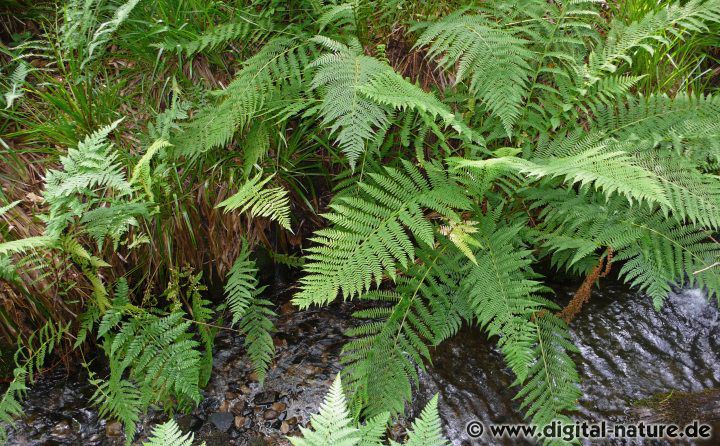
[(257, 328), (272, 203), (333, 426), (368, 238), (169, 434)]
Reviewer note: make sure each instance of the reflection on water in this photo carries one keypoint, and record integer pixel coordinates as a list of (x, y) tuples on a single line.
[(628, 352)]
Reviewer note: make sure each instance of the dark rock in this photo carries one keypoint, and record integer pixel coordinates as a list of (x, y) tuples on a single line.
[(188, 422), (222, 420), (266, 398)]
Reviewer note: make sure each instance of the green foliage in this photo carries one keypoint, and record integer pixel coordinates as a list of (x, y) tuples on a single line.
[(369, 236), (272, 203), (493, 61), (251, 311), (332, 425), (168, 434), (439, 152)]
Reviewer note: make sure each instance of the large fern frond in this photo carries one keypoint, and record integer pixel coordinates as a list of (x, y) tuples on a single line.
[(368, 238)]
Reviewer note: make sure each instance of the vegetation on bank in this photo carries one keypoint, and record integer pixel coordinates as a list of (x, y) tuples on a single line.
[(424, 158)]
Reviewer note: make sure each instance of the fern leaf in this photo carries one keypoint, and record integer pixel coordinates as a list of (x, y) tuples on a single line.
[(257, 328), (491, 59), (332, 425), (169, 434), (368, 239), (272, 203)]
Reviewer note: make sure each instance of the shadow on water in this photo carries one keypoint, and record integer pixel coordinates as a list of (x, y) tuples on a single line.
[(628, 352)]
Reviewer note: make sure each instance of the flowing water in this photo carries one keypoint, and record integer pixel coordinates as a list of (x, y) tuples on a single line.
[(628, 352)]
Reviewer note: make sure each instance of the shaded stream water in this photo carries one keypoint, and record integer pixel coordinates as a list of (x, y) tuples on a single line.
[(628, 352)]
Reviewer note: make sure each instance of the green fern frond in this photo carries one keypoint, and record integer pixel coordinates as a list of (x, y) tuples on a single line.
[(493, 61), (503, 295), (675, 19), (120, 399), (241, 284), (169, 434), (551, 389), (332, 425), (272, 203), (340, 76), (257, 328), (247, 29), (381, 361), (16, 81), (368, 238), (426, 430), (272, 80), (103, 33)]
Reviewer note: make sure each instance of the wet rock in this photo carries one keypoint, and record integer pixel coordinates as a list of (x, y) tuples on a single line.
[(270, 414), (62, 429), (212, 436), (238, 407), (279, 406), (188, 423), (224, 407), (221, 420), (266, 398), (114, 429)]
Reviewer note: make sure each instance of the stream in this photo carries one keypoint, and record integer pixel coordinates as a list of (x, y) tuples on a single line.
[(627, 352)]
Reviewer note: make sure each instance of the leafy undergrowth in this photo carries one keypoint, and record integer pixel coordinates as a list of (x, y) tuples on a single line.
[(422, 157)]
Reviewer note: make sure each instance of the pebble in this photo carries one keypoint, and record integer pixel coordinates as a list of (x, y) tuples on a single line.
[(221, 420), (270, 414), (239, 422), (61, 429), (266, 398), (284, 427), (279, 406), (114, 429), (225, 406), (238, 407)]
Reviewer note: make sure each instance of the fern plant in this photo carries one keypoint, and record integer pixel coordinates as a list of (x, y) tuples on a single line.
[(332, 425)]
